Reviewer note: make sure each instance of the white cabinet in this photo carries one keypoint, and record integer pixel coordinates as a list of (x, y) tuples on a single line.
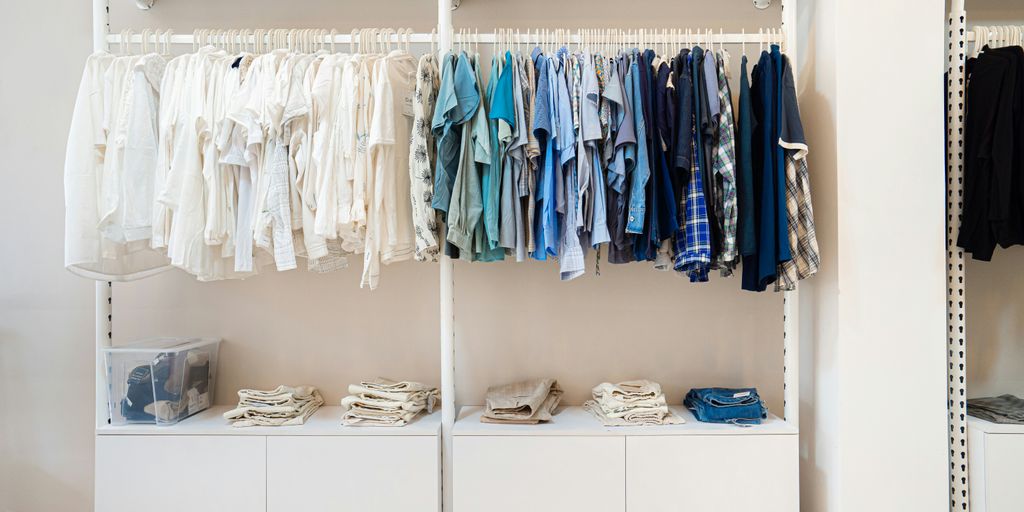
[(995, 452), (713, 473), (353, 473), (575, 463), (168, 473), (204, 465), (539, 473)]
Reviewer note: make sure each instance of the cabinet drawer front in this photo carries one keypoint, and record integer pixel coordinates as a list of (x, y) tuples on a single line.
[(1002, 482), (712, 473), (173, 473), (539, 474), (353, 473)]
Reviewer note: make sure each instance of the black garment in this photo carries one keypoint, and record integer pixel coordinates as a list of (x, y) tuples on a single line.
[(667, 216), (993, 209)]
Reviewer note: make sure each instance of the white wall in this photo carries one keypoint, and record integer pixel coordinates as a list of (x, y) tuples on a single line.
[(46, 349), (874, 415)]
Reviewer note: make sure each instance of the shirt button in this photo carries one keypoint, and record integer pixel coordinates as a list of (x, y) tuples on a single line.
[(631, 218)]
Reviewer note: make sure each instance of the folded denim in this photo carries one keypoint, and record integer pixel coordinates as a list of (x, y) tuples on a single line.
[(741, 406), (530, 401), (278, 407), (998, 409), (386, 403)]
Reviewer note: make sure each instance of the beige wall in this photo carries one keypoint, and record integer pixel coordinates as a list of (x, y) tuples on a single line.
[(46, 347)]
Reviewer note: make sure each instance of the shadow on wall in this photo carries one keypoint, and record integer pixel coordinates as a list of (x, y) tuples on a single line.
[(819, 412)]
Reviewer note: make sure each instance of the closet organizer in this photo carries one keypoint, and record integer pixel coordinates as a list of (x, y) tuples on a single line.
[(984, 456), (449, 460)]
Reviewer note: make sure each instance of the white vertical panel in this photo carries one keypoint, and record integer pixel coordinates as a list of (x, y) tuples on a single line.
[(447, 308)]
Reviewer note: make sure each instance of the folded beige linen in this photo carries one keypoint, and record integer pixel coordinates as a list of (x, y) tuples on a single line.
[(387, 403), (278, 407), (530, 401)]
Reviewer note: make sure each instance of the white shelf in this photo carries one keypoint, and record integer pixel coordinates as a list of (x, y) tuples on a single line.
[(993, 428), (325, 422), (575, 421)]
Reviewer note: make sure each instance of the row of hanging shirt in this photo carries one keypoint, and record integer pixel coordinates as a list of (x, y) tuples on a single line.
[(993, 188), (220, 162), (634, 153)]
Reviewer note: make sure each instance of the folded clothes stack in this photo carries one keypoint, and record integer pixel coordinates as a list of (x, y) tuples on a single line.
[(741, 406), (279, 407), (522, 403), (635, 402), (386, 403), (997, 409)]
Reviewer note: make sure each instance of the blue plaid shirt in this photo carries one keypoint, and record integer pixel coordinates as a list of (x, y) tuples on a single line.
[(693, 240)]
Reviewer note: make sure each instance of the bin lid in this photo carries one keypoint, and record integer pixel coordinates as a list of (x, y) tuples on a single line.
[(167, 344)]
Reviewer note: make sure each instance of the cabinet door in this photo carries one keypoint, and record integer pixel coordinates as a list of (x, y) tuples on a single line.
[(712, 473), (539, 473), (1002, 482), (174, 473), (353, 473)]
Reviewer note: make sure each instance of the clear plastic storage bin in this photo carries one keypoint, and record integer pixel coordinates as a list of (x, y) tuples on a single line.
[(162, 380)]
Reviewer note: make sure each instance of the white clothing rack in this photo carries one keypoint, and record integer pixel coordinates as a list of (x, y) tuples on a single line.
[(445, 38), (651, 36)]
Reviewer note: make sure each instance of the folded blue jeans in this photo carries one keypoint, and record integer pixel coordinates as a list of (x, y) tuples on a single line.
[(741, 406)]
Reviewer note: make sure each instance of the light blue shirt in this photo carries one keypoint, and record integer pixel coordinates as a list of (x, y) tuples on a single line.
[(642, 171)]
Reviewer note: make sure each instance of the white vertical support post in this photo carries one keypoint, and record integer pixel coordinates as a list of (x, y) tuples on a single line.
[(956, 332), (100, 28), (447, 308), (791, 300)]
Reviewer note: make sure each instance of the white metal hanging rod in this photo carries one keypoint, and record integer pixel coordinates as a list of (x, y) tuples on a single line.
[(189, 39), (485, 38)]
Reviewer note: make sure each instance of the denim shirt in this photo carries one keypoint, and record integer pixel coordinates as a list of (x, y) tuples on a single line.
[(642, 171), (571, 258), (546, 230)]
